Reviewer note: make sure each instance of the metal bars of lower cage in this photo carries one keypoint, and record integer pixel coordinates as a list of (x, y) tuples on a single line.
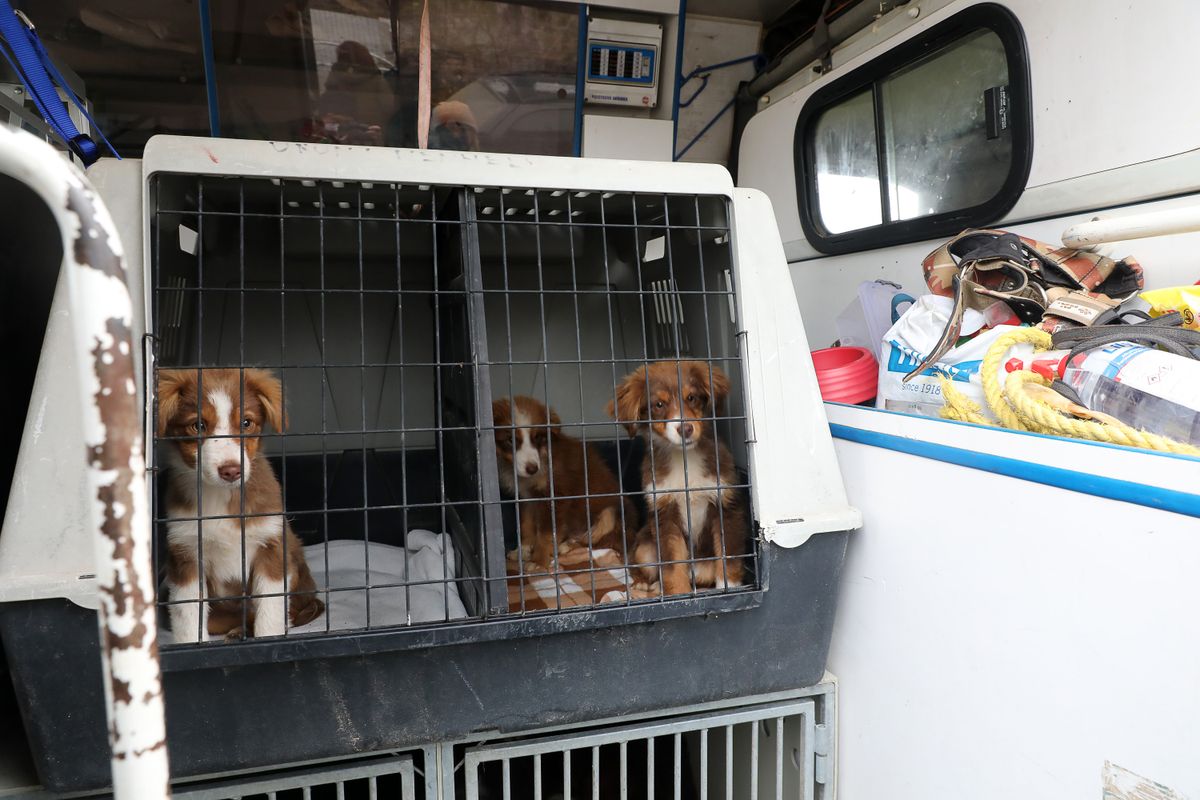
[(767, 751), (371, 779), (450, 253), (761, 747)]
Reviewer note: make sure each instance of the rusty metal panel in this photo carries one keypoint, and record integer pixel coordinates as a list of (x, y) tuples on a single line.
[(103, 352)]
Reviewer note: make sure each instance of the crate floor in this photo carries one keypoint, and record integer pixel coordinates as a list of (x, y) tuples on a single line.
[(579, 581)]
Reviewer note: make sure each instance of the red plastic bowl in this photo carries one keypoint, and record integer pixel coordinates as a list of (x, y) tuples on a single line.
[(846, 374)]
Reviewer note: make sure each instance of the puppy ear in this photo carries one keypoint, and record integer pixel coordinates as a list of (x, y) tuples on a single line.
[(555, 422), (269, 391), (501, 415), (170, 387), (716, 381), (629, 406)]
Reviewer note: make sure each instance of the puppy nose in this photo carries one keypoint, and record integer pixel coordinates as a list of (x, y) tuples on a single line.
[(230, 471), (531, 469), (686, 430)]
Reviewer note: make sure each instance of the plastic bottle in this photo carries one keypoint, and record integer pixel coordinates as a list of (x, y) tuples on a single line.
[(1145, 388), (1049, 364)]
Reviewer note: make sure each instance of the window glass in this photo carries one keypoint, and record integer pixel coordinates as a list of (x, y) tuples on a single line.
[(938, 154), (337, 71), (140, 63), (517, 99), (847, 163), (930, 137), (324, 70)]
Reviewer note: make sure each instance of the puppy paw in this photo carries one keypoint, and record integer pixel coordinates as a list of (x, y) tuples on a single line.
[(521, 554), (643, 591), (532, 567), (235, 634)]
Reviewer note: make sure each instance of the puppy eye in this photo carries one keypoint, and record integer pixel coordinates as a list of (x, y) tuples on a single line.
[(247, 422), (659, 405), (691, 398), (197, 427)]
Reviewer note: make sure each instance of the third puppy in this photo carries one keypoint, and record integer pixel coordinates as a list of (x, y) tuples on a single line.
[(575, 510)]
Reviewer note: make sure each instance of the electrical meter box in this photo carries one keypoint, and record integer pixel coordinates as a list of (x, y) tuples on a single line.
[(622, 63)]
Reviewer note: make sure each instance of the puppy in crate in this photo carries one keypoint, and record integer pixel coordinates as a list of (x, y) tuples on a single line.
[(575, 498), (697, 526), (223, 501)]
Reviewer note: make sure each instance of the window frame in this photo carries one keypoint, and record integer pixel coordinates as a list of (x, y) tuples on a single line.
[(985, 16)]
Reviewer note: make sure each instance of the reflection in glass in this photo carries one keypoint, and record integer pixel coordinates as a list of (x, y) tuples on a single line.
[(938, 154), (140, 63), (340, 71), (346, 71), (847, 164)]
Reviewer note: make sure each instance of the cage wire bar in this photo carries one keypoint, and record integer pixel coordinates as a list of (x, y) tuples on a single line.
[(510, 208), (204, 294), (393, 317), (364, 779), (94, 269), (771, 750)]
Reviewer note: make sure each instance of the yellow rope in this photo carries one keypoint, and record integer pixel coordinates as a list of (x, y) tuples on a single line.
[(1015, 405), (957, 406)]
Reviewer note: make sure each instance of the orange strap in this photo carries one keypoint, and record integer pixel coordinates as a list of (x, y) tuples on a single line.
[(424, 83)]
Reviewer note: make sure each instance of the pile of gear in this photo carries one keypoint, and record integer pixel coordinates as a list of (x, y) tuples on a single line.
[(1056, 340)]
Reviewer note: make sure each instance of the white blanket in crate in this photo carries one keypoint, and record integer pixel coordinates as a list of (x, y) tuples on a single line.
[(432, 594)]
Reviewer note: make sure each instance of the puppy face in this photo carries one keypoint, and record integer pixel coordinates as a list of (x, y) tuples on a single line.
[(218, 422), (524, 430), (674, 397)]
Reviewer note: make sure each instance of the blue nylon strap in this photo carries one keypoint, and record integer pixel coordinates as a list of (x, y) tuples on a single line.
[(29, 59)]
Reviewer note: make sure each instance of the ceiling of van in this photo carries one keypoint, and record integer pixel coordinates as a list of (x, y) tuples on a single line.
[(764, 11), (784, 21)]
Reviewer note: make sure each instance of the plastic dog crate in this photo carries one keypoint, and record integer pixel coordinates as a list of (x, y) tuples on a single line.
[(396, 295)]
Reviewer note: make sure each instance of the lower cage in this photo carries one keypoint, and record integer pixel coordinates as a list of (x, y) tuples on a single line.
[(320, 702), (777, 749), (780, 746)]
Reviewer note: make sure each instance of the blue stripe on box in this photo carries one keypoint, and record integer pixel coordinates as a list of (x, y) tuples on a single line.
[(1082, 482)]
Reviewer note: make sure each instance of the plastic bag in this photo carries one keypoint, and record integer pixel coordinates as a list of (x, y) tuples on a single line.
[(876, 308), (1184, 299), (906, 344)]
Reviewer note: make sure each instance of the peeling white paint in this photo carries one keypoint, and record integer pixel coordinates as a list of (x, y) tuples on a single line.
[(39, 421), (124, 580), (1121, 784)]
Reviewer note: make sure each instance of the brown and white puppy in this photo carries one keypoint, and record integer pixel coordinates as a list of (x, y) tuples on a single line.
[(575, 510), (672, 403), (223, 494)]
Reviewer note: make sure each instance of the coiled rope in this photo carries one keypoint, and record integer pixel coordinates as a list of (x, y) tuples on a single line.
[(1026, 403)]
